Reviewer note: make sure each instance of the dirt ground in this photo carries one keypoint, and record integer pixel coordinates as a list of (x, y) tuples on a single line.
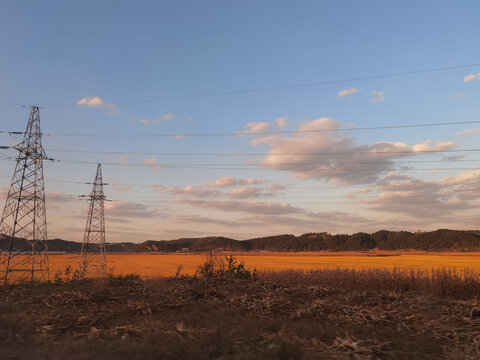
[(276, 316)]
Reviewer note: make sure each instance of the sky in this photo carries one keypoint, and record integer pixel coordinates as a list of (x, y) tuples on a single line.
[(265, 104)]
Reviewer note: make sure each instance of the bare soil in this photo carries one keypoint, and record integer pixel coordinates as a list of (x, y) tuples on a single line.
[(277, 316)]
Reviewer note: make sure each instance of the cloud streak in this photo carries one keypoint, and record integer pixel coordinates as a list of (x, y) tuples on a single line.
[(128, 210), (467, 132), (471, 77), (251, 207), (347, 92), (232, 181), (378, 96)]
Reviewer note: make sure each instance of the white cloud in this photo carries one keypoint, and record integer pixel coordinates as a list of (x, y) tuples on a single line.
[(207, 220), (123, 159), (301, 223), (167, 116), (222, 188), (195, 191), (151, 161), (278, 187), (347, 92), (467, 132), (425, 146), (122, 188), (159, 168), (93, 101), (471, 77), (318, 155), (459, 96), (56, 197), (96, 101), (424, 199), (378, 96), (260, 214), (256, 127), (353, 194), (127, 209), (420, 201), (241, 206), (232, 181), (323, 220), (463, 178), (245, 192), (281, 122), (253, 128), (160, 118)]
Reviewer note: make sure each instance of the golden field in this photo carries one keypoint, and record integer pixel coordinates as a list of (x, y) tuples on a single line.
[(161, 265)]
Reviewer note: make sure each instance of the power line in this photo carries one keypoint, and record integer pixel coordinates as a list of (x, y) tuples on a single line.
[(356, 200), (275, 88), (206, 186), (409, 152), (311, 163), (136, 185), (250, 133), (272, 196), (227, 167), (61, 181), (247, 133), (13, 104), (262, 169)]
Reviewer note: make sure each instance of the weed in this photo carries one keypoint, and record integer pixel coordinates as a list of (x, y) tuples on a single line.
[(226, 267), (123, 279), (68, 275), (179, 270)]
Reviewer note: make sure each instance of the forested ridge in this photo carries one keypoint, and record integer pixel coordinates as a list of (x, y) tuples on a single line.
[(383, 240), (443, 239)]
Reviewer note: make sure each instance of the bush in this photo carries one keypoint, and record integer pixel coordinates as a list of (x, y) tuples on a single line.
[(68, 276), (226, 267), (124, 279)]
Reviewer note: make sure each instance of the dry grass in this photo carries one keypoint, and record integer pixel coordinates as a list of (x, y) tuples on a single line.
[(160, 265), (324, 314), (439, 283)]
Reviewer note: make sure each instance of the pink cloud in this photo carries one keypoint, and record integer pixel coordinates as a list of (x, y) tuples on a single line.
[(245, 192), (313, 154), (232, 181), (248, 207)]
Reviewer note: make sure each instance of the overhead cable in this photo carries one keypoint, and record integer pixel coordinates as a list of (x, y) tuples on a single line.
[(270, 88)]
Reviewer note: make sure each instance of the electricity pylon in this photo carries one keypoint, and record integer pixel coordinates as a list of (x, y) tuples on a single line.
[(23, 225), (93, 255)]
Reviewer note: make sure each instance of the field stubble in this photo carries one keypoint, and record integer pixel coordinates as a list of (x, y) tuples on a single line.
[(357, 312), (322, 314)]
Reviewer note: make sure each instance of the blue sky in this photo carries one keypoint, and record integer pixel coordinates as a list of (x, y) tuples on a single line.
[(108, 53)]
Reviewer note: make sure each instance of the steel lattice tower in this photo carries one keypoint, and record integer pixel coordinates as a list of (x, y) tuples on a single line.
[(93, 255), (23, 224)]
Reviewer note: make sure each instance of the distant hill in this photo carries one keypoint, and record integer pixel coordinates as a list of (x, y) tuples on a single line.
[(59, 245), (191, 244), (438, 240), (384, 240)]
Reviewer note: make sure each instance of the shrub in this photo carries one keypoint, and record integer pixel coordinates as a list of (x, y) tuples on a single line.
[(226, 267)]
